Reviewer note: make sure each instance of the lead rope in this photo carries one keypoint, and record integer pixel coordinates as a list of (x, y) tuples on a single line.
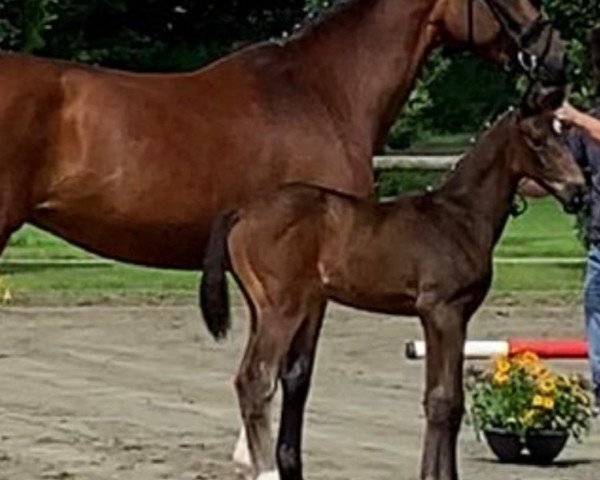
[(471, 19), (519, 205)]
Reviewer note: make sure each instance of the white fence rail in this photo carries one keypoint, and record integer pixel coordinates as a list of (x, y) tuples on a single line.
[(414, 162)]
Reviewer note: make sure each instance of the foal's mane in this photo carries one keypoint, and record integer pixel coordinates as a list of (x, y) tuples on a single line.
[(504, 120)]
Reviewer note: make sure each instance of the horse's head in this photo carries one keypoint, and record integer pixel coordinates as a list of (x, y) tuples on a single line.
[(508, 32), (541, 152)]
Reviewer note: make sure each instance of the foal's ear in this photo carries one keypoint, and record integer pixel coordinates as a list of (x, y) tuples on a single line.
[(541, 98), (537, 4)]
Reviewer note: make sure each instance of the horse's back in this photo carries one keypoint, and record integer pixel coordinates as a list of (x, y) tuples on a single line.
[(136, 166)]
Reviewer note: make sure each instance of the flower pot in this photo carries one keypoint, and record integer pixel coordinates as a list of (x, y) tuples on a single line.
[(507, 446), (545, 445)]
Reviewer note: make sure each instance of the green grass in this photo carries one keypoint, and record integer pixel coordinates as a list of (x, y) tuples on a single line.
[(543, 231), (84, 284), (29, 242)]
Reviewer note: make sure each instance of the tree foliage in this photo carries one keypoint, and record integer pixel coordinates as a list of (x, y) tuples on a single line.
[(164, 35), (148, 35)]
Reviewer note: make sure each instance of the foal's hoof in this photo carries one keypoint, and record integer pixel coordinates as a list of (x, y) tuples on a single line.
[(273, 475), (241, 458), (244, 472)]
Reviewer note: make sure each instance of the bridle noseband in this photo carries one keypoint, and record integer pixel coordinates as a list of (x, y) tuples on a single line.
[(529, 62)]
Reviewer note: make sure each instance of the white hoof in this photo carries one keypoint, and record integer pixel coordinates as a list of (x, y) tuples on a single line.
[(241, 454), (272, 475), (241, 457)]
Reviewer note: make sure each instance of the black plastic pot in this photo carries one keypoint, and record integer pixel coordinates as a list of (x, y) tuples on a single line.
[(545, 445), (507, 446)]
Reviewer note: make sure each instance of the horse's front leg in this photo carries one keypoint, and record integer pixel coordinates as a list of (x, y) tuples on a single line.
[(445, 332)]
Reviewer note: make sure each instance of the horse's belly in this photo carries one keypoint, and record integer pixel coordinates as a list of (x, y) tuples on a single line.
[(172, 243)]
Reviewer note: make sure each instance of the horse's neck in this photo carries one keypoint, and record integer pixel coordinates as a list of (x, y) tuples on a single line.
[(483, 186), (365, 59)]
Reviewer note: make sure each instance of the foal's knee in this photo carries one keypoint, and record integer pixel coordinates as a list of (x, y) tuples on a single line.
[(255, 388), (443, 408)]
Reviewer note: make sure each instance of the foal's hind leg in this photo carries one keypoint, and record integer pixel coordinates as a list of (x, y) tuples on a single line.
[(295, 378), (445, 332), (256, 385)]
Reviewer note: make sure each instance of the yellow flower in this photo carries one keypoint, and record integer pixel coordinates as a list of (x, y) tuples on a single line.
[(538, 401), (548, 403), (529, 358), (502, 365), (538, 370), (501, 377), (547, 385)]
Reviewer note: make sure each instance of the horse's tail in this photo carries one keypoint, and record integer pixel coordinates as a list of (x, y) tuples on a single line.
[(214, 294)]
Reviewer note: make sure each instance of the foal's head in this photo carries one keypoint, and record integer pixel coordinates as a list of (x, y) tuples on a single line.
[(510, 32), (540, 152)]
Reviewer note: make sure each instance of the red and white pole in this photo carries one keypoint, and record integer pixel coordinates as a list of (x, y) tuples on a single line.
[(482, 349)]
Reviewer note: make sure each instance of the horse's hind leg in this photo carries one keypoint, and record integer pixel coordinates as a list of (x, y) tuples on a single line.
[(445, 332), (256, 384), (295, 379)]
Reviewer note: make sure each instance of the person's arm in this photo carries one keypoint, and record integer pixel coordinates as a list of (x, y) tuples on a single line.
[(589, 124)]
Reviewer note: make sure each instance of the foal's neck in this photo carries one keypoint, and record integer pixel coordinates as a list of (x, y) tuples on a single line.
[(364, 59), (483, 185)]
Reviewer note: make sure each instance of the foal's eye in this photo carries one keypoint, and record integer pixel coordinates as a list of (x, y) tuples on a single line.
[(557, 126), (537, 143)]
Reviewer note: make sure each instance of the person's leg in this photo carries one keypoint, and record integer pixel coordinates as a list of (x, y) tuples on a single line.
[(592, 316)]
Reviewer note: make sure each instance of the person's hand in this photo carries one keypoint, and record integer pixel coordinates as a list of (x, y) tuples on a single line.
[(569, 114)]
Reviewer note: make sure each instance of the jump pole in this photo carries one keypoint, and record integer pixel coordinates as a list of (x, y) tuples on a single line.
[(483, 349)]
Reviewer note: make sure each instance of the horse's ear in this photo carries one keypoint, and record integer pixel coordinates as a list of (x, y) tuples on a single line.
[(539, 98)]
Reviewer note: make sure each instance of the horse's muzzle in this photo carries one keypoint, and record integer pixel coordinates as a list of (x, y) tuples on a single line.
[(552, 69)]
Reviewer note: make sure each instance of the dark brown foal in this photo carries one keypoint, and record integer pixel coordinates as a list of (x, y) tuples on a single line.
[(428, 255)]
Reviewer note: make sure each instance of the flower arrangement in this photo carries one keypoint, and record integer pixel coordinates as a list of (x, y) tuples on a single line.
[(521, 395)]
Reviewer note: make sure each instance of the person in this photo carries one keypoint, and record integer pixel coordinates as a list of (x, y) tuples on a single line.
[(584, 141), (589, 122)]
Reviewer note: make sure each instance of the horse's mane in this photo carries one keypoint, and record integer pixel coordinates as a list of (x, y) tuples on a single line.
[(315, 18)]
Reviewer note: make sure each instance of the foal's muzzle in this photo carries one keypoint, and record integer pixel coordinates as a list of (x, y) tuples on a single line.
[(574, 198)]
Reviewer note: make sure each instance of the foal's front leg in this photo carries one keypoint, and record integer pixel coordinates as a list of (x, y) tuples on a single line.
[(256, 385), (295, 379), (445, 332)]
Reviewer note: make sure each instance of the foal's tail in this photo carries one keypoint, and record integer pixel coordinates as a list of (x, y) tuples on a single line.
[(214, 295)]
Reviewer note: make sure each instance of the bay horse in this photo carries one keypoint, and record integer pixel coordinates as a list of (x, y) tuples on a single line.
[(136, 166), (427, 255)]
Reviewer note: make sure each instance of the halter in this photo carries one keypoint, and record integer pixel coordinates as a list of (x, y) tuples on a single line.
[(529, 62), (519, 205)]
